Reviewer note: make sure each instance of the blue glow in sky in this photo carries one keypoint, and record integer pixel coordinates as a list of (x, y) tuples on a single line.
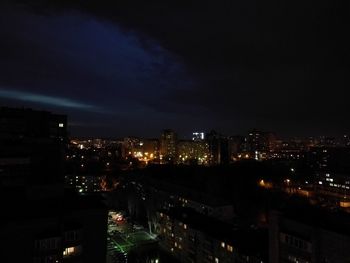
[(95, 72), (42, 99)]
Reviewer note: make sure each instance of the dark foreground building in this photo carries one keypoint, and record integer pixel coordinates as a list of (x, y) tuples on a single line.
[(194, 237), (306, 234), (40, 222)]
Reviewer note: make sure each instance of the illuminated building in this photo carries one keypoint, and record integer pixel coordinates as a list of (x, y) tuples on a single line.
[(84, 183), (131, 146), (168, 147), (260, 144), (144, 150), (150, 148), (329, 159), (289, 150), (47, 223), (193, 151), (334, 186), (96, 143)]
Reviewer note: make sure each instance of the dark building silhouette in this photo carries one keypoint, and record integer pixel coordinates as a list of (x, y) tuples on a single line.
[(40, 221), (304, 233), (260, 141), (345, 141), (168, 145), (329, 159), (236, 145), (193, 237), (218, 148), (20, 123)]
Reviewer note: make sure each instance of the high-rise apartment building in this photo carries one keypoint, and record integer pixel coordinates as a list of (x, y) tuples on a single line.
[(40, 221), (168, 145), (218, 148)]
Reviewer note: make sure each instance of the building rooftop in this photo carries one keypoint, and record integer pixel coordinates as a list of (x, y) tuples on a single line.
[(248, 241), (320, 217)]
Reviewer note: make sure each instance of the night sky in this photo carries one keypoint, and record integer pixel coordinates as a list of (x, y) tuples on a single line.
[(135, 68)]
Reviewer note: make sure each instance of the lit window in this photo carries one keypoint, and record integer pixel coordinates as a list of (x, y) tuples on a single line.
[(68, 251), (216, 260), (229, 248), (61, 125), (222, 244), (71, 251), (185, 226)]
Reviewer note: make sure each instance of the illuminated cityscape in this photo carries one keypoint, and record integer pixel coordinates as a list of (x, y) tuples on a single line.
[(174, 131), (212, 198)]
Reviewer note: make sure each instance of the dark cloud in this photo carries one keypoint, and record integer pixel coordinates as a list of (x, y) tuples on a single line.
[(231, 65)]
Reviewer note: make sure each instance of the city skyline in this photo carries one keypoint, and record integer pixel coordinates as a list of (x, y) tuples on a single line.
[(174, 131), (113, 74)]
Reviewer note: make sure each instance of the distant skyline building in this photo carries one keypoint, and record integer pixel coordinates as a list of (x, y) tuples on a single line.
[(236, 146), (218, 148), (168, 145), (190, 151), (131, 145), (345, 141), (151, 148), (257, 144), (260, 143)]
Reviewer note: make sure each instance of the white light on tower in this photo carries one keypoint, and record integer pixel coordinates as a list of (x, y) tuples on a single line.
[(197, 136)]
